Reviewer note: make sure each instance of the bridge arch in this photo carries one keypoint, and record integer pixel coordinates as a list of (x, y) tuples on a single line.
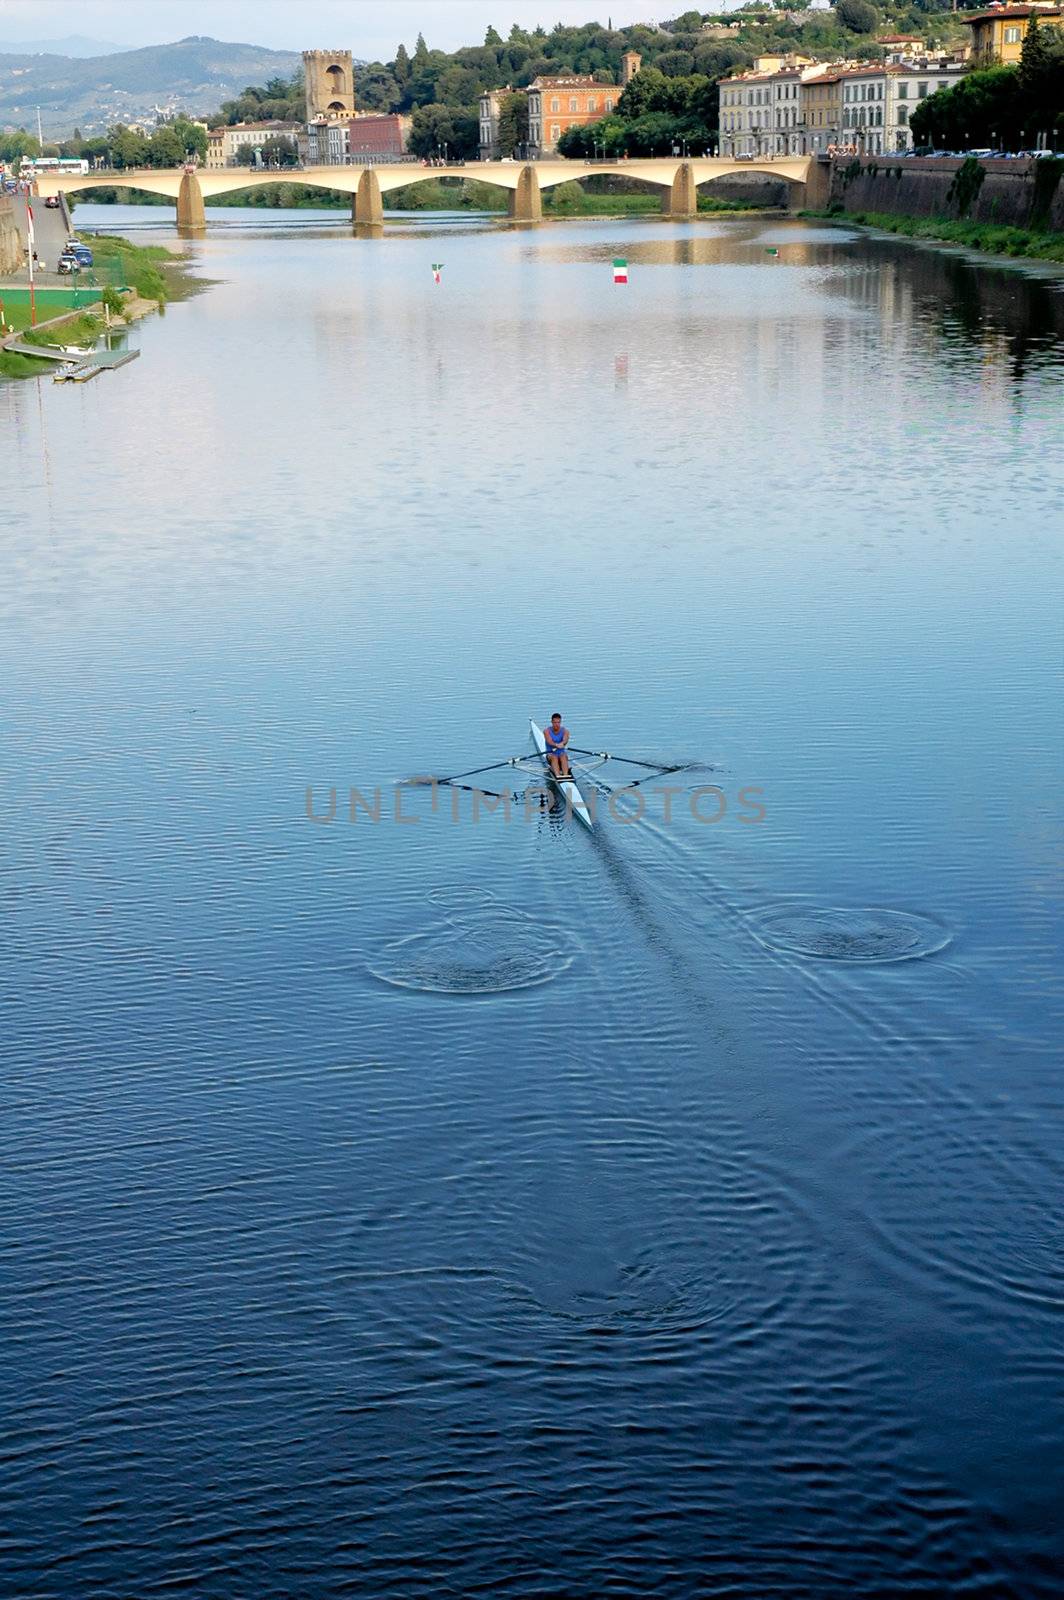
[(190, 188)]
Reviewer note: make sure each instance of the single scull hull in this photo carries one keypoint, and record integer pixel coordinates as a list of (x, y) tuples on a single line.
[(566, 787)]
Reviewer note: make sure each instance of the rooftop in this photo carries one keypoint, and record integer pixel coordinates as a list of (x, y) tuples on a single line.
[(1000, 13)]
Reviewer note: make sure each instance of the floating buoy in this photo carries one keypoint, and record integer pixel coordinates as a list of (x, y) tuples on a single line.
[(771, 250), (620, 270), (437, 269)]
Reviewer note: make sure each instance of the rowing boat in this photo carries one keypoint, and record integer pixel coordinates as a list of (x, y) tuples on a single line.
[(565, 787), (568, 789)]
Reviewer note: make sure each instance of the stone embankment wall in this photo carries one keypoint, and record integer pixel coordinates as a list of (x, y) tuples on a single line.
[(10, 239), (1012, 194)]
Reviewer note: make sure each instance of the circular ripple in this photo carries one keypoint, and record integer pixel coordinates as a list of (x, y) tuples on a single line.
[(478, 946), (474, 1268), (957, 1192), (844, 933)]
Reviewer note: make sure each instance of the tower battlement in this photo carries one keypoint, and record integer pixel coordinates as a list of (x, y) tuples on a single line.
[(330, 83)]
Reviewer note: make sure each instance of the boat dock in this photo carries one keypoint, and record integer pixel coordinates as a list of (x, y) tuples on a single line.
[(81, 369)]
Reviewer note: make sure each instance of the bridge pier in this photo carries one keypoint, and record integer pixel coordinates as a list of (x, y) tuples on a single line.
[(526, 203), (815, 193), (682, 199), (368, 207), (191, 217)]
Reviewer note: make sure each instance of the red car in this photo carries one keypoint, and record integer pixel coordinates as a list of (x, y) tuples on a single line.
[(52, 202)]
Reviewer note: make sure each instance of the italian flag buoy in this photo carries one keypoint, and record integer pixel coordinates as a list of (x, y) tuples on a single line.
[(437, 268), (772, 251), (620, 270)]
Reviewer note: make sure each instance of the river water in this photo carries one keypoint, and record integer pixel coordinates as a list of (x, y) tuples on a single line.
[(439, 1206)]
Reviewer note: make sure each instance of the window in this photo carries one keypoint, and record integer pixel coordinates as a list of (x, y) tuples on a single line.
[(574, 104), (903, 91), (943, 83), (555, 133), (903, 116), (608, 105), (592, 103), (555, 104), (1012, 35), (921, 91)]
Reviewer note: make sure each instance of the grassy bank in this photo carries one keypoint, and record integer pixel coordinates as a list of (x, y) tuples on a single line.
[(135, 266), (1022, 243), (150, 271), (79, 328), (85, 328)]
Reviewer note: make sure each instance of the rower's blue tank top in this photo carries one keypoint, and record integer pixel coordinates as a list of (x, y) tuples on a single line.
[(555, 738)]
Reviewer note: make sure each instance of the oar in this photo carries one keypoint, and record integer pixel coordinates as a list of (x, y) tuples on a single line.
[(653, 766)]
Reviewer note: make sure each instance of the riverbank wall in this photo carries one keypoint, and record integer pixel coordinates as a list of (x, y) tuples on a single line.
[(10, 239), (1016, 194)]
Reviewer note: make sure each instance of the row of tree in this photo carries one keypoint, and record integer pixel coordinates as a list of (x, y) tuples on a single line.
[(1001, 108), (120, 146)]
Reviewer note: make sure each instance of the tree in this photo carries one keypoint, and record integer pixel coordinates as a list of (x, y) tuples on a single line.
[(1041, 78), (492, 39), (280, 151), (857, 15), (192, 135), (434, 127), (163, 149), (401, 66), (15, 146), (421, 51), (513, 123), (127, 146), (676, 63), (984, 109)]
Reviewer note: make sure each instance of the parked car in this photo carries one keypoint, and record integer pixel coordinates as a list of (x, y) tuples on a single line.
[(74, 247), (52, 202)]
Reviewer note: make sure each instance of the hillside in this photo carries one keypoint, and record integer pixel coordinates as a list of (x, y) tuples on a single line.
[(71, 44), (195, 75)]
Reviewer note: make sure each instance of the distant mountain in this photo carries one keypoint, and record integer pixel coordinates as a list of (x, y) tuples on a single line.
[(74, 44), (91, 93)]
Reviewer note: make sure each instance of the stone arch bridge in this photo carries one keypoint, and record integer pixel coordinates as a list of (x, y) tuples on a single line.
[(679, 181)]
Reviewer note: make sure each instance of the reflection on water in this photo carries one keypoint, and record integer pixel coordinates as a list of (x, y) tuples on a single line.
[(445, 1206)]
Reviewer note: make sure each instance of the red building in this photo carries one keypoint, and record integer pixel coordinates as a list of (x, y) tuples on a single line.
[(377, 136)]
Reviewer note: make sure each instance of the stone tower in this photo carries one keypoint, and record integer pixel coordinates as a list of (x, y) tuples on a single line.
[(631, 62), (330, 84)]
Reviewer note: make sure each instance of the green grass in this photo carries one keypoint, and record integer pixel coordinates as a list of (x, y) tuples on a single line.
[(75, 330), (50, 303), (12, 365), (134, 265), (1020, 243)]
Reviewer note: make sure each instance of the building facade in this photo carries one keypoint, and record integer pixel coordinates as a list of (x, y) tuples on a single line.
[(377, 136), (997, 33), (821, 108), (236, 146), (328, 142), (329, 79), (557, 104), (761, 111), (490, 115), (909, 82), (794, 107)]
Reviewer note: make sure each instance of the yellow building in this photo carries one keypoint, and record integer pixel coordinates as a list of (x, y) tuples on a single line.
[(997, 34), (820, 111)]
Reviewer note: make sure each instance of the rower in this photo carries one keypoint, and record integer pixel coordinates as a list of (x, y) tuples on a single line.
[(556, 738)]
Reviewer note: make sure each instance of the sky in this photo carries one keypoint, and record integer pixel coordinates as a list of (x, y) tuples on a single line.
[(368, 28)]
